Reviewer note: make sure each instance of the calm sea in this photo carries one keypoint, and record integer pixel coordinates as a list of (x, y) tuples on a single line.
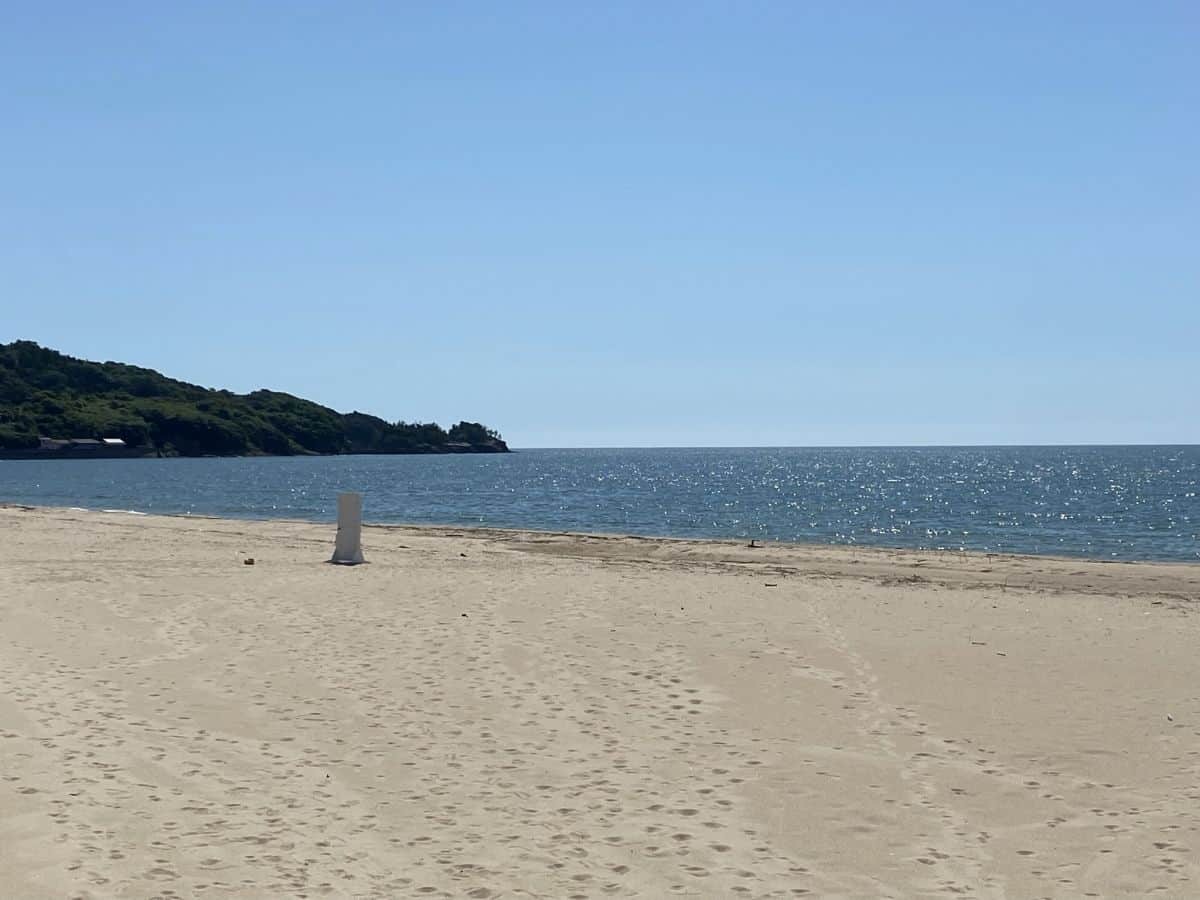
[(1102, 502)]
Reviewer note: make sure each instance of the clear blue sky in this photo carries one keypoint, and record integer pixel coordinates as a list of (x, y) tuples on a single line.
[(623, 224)]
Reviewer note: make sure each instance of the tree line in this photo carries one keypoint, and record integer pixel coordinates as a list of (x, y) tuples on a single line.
[(44, 393)]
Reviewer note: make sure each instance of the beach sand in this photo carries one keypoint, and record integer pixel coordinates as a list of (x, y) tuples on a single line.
[(507, 714)]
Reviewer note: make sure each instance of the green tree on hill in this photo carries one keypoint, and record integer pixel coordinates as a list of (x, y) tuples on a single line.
[(46, 393)]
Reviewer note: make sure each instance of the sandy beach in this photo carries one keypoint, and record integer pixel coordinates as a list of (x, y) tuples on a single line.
[(507, 714)]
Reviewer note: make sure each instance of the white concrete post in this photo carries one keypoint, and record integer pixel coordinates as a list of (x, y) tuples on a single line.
[(347, 549)]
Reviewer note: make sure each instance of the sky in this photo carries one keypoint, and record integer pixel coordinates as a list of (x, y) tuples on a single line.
[(623, 224)]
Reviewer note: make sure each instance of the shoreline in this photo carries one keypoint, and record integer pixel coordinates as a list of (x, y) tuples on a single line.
[(764, 544), (142, 453)]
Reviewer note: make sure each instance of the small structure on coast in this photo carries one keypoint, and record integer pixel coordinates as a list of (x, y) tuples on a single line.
[(347, 549), (74, 448)]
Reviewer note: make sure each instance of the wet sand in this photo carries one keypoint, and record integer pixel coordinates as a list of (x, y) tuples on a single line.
[(510, 714)]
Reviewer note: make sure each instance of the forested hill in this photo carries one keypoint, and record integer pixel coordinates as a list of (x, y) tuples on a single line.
[(44, 393)]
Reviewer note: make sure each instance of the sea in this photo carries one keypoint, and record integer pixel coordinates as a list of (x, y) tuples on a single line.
[(1120, 503)]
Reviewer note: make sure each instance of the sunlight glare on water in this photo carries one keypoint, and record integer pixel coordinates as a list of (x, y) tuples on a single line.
[(1101, 502)]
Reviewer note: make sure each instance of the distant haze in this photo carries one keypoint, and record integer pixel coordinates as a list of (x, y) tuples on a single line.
[(624, 224)]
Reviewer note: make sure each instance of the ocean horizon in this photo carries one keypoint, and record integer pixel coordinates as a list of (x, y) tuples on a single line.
[(1128, 502)]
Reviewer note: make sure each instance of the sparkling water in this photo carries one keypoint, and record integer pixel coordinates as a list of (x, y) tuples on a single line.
[(1101, 502)]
